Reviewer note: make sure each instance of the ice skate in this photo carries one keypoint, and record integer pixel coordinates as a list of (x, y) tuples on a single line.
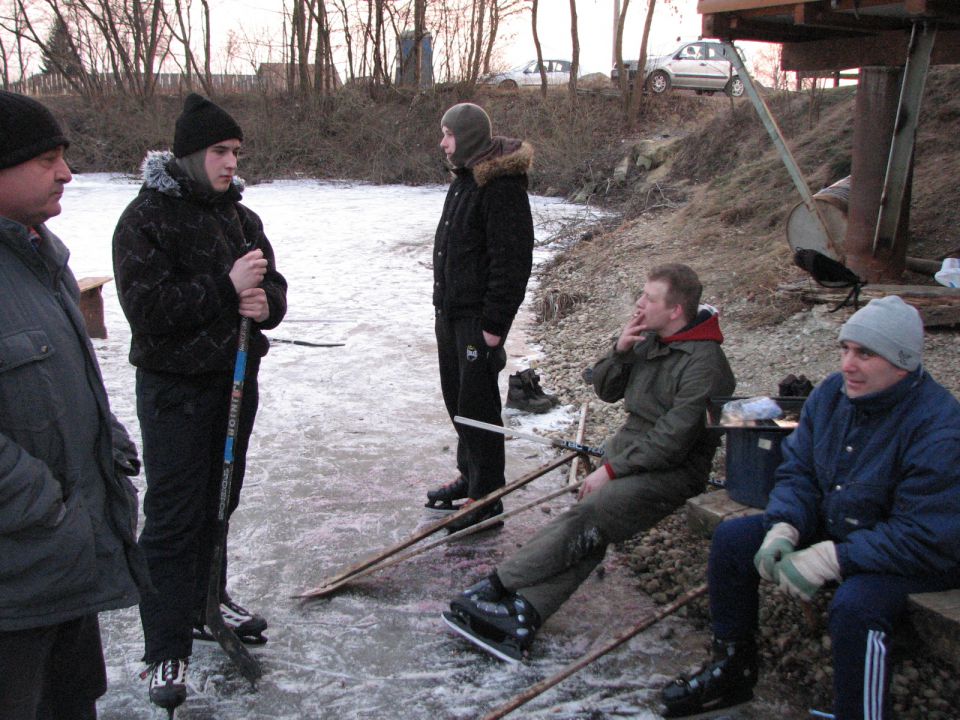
[(247, 626), (503, 627), (441, 499), (721, 684), (168, 683)]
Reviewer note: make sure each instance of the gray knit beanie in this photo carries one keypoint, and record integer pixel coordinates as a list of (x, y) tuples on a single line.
[(471, 128), (890, 328)]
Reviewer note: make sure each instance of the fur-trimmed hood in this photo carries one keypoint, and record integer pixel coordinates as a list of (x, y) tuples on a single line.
[(156, 174), (516, 162)]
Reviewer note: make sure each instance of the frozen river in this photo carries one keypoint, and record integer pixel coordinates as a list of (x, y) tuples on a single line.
[(348, 439)]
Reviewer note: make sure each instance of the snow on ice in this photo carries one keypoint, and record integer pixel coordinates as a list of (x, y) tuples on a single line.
[(348, 439)]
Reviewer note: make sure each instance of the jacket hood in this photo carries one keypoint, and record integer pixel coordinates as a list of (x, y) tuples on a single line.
[(706, 326), (505, 157), (160, 173)]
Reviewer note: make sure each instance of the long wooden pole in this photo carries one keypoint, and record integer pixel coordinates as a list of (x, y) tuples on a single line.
[(581, 431), (578, 665), (336, 581)]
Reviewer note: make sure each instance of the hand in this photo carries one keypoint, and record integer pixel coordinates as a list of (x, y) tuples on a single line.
[(632, 332), (802, 573), (779, 541), (490, 339), (248, 271), (254, 305), (593, 482)]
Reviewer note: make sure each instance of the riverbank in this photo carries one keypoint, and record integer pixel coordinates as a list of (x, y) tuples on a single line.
[(600, 276)]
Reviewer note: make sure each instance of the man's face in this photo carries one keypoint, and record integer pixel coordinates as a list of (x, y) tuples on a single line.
[(221, 163), (865, 372), (30, 192), (658, 314), (448, 143)]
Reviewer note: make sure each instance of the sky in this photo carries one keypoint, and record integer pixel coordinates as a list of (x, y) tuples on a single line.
[(677, 18)]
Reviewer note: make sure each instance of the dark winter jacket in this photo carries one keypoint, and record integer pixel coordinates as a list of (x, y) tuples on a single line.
[(665, 384), (173, 249), (483, 249), (68, 512), (879, 475)]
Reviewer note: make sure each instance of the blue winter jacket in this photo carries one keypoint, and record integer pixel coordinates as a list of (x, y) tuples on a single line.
[(879, 475)]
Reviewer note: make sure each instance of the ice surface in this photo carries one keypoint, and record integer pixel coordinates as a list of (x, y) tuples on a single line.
[(347, 442)]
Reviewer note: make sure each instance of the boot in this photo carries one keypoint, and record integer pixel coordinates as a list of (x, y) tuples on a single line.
[(531, 382), (728, 679), (522, 396), (447, 493)]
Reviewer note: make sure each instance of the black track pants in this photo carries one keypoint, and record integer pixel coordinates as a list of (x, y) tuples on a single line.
[(468, 379)]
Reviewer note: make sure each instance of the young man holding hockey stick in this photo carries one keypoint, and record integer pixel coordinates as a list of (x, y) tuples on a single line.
[(189, 260), (665, 366)]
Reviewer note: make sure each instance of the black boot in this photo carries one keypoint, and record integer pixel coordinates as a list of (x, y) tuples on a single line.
[(728, 679), (446, 494), (523, 394)]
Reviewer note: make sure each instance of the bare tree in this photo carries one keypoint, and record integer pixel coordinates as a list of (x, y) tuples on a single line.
[(575, 44), (536, 43), (637, 95)]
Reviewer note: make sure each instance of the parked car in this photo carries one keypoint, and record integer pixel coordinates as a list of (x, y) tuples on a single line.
[(558, 73), (702, 66)]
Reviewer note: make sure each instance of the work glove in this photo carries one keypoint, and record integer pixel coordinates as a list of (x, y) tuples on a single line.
[(800, 574), (779, 541)]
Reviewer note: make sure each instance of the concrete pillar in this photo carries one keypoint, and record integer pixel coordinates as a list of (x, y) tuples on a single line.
[(875, 113)]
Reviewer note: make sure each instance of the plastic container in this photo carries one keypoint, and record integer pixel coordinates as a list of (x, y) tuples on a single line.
[(753, 452)]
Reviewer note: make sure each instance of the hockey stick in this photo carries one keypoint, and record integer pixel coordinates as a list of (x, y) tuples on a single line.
[(305, 343), (564, 444), (228, 640), (346, 575), (547, 683), (483, 525)]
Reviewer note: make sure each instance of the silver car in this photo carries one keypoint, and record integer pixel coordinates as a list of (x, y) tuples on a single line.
[(702, 66), (558, 73)]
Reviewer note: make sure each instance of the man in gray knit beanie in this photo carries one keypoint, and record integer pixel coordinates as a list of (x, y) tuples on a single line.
[(890, 328)]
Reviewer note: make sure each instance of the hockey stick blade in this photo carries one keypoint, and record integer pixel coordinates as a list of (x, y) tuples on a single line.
[(564, 444), (225, 637)]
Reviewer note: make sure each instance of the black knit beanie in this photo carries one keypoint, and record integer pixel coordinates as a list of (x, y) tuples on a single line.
[(27, 129), (471, 129), (202, 124)]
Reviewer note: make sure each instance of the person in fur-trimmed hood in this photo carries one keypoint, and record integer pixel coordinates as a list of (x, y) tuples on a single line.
[(189, 261), (482, 256)]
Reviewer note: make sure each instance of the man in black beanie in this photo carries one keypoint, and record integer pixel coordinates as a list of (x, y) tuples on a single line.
[(189, 260), (482, 255), (68, 511)]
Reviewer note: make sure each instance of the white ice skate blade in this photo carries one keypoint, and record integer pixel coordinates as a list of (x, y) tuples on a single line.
[(454, 623)]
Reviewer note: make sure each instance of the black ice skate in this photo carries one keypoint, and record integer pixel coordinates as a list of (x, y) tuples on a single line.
[(247, 626), (168, 683), (442, 498), (477, 516), (505, 628), (724, 682)]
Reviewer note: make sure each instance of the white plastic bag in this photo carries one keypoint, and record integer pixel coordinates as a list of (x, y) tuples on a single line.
[(754, 408), (949, 273)]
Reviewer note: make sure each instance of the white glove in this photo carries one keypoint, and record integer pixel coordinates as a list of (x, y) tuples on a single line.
[(802, 573), (779, 541)]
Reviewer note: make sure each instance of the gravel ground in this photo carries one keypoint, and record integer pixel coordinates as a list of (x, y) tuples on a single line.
[(586, 295)]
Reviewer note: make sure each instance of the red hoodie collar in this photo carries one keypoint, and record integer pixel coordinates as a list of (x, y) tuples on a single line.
[(707, 329)]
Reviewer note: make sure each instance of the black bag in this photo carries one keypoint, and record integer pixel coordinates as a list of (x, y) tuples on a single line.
[(830, 274)]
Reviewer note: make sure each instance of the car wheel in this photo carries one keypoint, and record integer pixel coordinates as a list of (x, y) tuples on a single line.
[(734, 87), (508, 85), (658, 82)]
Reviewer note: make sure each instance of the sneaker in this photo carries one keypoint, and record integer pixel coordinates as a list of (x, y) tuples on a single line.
[(168, 682), (447, 493), (477, 516)]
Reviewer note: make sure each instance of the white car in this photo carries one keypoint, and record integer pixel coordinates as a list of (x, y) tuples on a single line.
[(701, 66), (558, 73)]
